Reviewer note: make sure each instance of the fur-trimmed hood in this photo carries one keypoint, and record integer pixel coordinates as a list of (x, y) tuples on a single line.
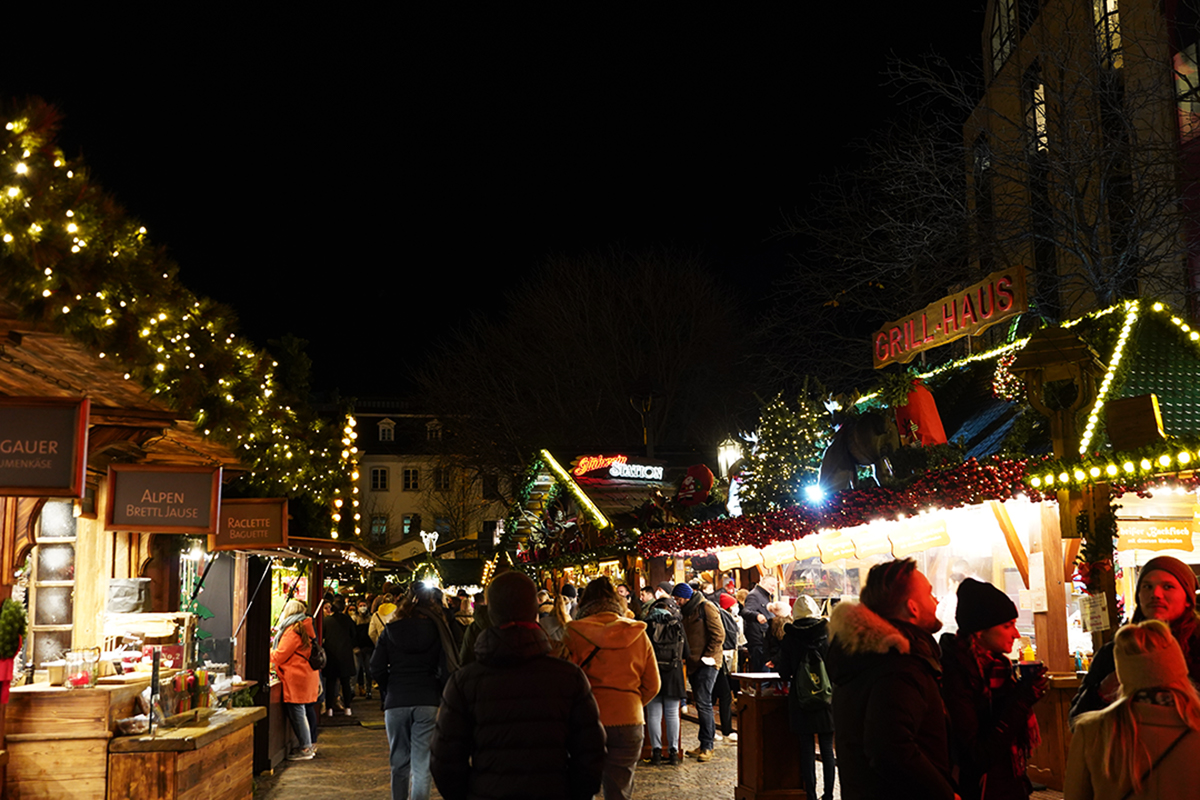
[(858, 629), (860, 638)]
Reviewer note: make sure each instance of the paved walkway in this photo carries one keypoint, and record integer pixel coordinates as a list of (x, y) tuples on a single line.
[(352, 764)]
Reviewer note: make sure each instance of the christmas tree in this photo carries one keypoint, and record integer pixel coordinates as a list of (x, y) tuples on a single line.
[(786, 454)]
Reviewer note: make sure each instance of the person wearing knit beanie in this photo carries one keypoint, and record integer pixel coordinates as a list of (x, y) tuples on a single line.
[(512, 597), (727, 600), (682, 591), (981, 605), (1166, 591), (989, 710), (1147, 743)]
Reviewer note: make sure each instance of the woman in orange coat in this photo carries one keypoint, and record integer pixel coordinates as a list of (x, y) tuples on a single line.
[(301, 683)]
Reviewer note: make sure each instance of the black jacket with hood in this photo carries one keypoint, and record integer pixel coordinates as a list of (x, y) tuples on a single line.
[(801, 637), (517, 723), (409, 663), (889, 721)]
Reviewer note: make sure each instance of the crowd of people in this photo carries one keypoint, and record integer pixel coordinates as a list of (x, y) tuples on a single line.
[(551, 695)]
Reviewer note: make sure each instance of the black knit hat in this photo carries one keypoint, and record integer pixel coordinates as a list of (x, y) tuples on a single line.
[(981, 605), (512, 597)]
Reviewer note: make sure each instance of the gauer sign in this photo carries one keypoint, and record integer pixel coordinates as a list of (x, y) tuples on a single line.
[(997, 297), (43, 446)]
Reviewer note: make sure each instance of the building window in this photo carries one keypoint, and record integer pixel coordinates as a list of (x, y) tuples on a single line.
[(1108, 32), (412, 482), (1004, 32), (52, 601), (442, 526), (410, 525), (379, 529), (433, 431), (1035, 110), (387, 431), (379, 479), (491, 487), (441, 479)]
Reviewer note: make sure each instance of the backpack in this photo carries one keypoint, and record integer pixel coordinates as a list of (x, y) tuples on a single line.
[(731, 629), (811, 688), (666, 636)]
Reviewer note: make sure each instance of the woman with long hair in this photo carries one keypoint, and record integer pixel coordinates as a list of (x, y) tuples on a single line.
[(301, 683), (991, 712), (413, 658), (1147, 743), (618, 659)]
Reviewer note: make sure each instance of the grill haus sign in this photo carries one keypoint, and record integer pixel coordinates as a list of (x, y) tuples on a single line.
[(998, 297)]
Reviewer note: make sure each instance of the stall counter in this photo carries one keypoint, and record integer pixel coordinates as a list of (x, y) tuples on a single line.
[(213, 761)]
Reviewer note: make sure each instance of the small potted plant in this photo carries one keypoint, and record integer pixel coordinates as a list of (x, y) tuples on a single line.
[(12, 630)]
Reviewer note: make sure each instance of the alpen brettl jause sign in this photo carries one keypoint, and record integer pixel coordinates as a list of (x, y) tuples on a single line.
[(997, 297)]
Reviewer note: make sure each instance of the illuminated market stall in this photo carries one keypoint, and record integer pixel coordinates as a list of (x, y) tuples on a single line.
[(1062, 533)]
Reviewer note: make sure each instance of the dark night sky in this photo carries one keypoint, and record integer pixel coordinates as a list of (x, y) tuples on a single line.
[(367, 181)]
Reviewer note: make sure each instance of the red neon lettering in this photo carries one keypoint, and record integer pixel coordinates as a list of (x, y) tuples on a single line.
[(1004, 295), (968, 310), (588, 463), (881, 347), (925, 334), (895, 336), (950, 321)]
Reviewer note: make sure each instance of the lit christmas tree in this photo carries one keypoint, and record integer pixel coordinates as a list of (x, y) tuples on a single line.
[(786, 455)]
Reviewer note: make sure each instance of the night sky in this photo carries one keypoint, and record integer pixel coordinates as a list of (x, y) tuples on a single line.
[(369, 180)]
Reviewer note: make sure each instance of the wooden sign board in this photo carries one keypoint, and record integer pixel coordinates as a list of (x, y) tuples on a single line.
[(1156, 535), (249, 523), (162, 499), (43, 446), (998, 297)]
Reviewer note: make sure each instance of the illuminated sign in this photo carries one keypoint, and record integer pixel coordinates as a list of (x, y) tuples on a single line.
[(618, 467), (641, 472), (997, 297), (585, 464), (1156, 535)]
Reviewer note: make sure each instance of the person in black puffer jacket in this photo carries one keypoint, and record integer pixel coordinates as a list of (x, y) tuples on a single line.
[(808, 635), (412, 658), (516, 722)]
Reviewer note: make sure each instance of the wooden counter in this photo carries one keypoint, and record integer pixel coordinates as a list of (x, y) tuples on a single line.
[(202, 762), (767, 766), (1048, 761), (57, 739)]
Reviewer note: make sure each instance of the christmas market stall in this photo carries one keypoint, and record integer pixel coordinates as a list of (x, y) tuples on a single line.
[(571, 524), (1068, 465), (129, 412)]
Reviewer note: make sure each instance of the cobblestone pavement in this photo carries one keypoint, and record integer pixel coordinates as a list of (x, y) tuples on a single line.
[(352, 764)]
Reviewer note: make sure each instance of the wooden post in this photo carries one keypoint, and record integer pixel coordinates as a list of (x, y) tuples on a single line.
[(1050, 626)]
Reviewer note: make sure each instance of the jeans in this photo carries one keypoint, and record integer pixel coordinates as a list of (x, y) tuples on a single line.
[(624, 749), (655, 711), (409, 731), (808, 765), (703, 678), (303, 717), (723, 696)]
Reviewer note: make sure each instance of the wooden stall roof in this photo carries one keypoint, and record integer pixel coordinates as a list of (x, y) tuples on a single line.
[(127, 422)]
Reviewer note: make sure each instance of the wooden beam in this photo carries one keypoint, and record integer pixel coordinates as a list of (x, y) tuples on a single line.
[(1011, 539), (1070, 551)]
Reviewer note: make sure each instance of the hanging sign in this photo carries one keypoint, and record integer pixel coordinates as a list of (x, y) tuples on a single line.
[(1156, 535), (249, 523), (43, 446), (915, 535), (997, 297), (162, 499), (835, 547)]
